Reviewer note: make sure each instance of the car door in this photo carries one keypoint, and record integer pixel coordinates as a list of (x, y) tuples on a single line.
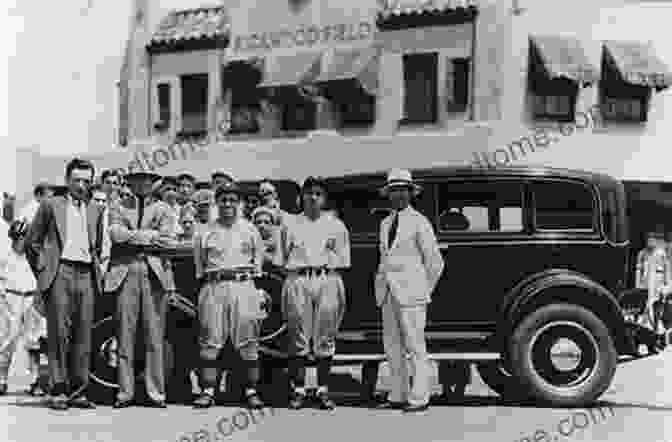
[(482, 230)]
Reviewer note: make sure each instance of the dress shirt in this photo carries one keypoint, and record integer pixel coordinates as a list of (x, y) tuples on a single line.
[(76, 247)]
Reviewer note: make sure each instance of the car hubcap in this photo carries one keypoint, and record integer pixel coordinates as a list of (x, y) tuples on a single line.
[(564, 355)]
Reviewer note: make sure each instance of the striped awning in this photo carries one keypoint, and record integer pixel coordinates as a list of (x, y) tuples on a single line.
[(359, 64), (192, 24), (637, 63), (564, 57), (409, 7), (291, 70)]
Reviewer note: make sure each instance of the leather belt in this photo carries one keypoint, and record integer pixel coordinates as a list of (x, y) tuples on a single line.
[(228, 275), (311, 271), (80, 264)]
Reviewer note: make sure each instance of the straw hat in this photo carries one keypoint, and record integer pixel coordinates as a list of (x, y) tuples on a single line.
[(400, 178)]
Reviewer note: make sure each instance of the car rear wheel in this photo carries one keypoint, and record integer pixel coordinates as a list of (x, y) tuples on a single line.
[(499, 379), (563, 355)]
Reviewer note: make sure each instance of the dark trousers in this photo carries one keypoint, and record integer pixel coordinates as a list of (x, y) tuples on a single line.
[(69, 320), (141, 297)]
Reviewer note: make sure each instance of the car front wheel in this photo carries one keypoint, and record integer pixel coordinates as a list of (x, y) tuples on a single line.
[(563, 355)]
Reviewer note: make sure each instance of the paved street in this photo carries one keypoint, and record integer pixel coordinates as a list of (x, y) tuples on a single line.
[(640, 401)]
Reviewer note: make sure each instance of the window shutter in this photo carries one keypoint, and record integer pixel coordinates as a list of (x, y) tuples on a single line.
[(490, 49)]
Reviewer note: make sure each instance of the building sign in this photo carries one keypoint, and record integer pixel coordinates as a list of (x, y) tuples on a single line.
[(283, 27), (308, 36)]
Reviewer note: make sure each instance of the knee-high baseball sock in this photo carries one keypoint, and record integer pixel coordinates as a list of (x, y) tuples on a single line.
[(253, 376), (209, 376), (295, 366), (323, 372)]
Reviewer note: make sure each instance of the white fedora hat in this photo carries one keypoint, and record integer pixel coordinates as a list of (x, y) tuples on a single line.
[(400, 178)]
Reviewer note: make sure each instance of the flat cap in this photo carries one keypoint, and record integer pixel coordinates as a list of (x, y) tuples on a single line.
[(228, 188)]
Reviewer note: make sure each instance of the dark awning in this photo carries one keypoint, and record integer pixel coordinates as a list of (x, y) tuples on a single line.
[(564, 57), (359, 64), (288, 70), (637, 63)]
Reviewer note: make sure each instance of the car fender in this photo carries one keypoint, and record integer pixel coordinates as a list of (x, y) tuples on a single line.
[(541, 288)]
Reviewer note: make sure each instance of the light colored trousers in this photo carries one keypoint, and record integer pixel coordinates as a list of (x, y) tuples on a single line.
[(404, 334), (313, 308), (27, 327), (141, 298)]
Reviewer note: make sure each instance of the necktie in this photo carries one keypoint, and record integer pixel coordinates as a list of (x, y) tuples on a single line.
[(393, 230)]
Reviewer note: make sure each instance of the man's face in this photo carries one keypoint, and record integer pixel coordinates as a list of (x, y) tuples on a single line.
[(228, 205), (651, 242), (188, 226), (48, 193), (186, 188), (400, 197), (110, 183), (99, 198), (79, 182), (314, 198), (203, 212), (170, 195), (265, 225), (268, 197)]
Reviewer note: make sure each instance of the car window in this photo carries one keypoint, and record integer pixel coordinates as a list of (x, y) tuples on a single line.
[(361, 209), (480, 206), (563, 206)]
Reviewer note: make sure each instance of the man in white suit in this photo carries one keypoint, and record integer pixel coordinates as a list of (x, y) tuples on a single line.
[(410, 267)]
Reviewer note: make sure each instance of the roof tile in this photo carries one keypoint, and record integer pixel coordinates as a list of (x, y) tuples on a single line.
[(192, 24)]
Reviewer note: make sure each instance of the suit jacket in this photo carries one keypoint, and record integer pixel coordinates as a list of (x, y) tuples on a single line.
[(412, 266), (46, 236), (156, 230)]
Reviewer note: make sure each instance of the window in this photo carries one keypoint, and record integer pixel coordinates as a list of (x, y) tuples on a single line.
[(164, 104), (457, 84), (624, 108), (245, 96), (621, 101), (194, 103), (361, 209), (420, 88), (563, 206), (355, 107), (299, 111), (480, 207), (553, 99)]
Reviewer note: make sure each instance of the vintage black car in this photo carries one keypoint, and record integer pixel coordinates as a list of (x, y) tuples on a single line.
[(536, 259)]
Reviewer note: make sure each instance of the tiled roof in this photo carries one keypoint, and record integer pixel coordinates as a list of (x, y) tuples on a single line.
[(408, 7), (192, 24)]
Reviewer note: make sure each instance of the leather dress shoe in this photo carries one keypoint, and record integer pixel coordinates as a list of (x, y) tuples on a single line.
[(254, 402), (387, 405), (122, 404), (415, 408), (36, 389), (59, 402), (297, 401), (204, 401), (81, 402), (324, 402), (3, 389)]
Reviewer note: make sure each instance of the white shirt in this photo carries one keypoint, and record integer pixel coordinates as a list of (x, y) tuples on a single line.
[(76, 247), (324, 242)]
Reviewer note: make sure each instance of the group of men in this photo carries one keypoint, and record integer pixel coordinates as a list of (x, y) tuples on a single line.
[(114, 238)]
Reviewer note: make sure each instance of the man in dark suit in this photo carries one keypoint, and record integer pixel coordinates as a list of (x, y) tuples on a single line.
[(63, 249), (140, 278)]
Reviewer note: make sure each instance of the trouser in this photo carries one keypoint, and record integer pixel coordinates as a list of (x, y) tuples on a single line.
[(313, 307), (69, 320), (27, 327), (229, 311), (141, 296), (404, 334)]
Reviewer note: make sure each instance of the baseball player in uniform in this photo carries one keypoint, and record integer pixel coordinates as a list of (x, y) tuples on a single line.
[(230, 308), (317, 248)]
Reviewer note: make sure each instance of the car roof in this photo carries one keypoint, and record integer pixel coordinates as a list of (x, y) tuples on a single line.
[(423, 174)]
